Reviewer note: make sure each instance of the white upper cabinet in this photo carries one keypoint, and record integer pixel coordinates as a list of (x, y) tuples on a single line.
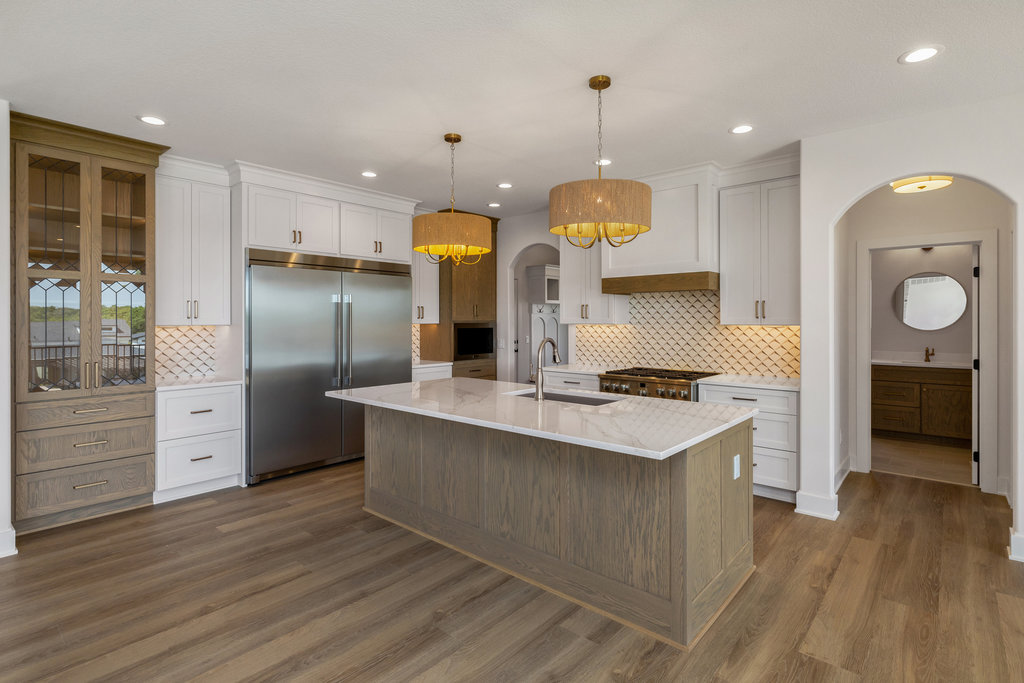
[(316, 224), (279, 219), (425, 281), (394, 232), (760, 243), (581, 299), (193, 275), (375, 234), (684, 231)]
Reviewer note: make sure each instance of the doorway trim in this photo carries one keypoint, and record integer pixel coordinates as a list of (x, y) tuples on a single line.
[(988, 309)]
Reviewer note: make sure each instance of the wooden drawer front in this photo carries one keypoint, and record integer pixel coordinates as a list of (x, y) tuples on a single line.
[(486, 368), (198, 458), (911, 373), (43, 493), (570, 380), (428, 373), (775, 468), (896, 393), (775, 431), (48, 449), (896, 419), (82, 411), (767, 400), (198, 411)]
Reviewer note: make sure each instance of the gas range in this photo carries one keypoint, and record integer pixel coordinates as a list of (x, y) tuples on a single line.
[(657, 382)]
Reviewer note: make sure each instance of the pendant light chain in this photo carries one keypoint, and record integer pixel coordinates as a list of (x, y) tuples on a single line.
[(599, 139), (453, 177)]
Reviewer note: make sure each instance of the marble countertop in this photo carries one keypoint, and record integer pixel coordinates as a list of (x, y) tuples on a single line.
[(755, 381), (172, 384), (430, 363), (642, 426), (578, 368)]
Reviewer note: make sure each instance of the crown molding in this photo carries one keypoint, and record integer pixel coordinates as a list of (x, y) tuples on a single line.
[(783, 166), (191, 169)]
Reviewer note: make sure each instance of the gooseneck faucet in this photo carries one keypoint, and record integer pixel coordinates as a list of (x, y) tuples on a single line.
[(928, 353), (539, 396)]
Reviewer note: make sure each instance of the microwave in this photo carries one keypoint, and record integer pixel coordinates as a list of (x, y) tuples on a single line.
[(473, 340)]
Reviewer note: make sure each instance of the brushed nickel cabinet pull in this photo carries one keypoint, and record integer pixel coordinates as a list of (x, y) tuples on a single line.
[(205, 457), (566, 381), (96, 369), (476, 370), (755, 309), (82, 411), (293, 237), (740, 398), (90, 443), (88, 486), (195, 309), (197, 412), (85, 376), (188, 310)]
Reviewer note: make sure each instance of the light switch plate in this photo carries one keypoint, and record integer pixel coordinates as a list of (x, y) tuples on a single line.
[(736, 466)]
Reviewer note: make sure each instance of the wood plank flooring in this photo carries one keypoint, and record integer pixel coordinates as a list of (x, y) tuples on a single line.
[(291, 580), (923, 460)]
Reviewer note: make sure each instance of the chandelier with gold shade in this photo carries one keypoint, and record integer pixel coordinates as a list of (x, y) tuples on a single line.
[(614, 211), (461, 237)]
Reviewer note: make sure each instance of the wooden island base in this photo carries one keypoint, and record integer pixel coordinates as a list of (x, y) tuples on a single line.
[(659, 545)]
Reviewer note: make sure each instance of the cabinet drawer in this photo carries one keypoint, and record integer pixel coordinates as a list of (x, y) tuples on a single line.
[(43, 493), (775, 431), (198, 458), (485, 368), (427, 373), (767, 400), (896, 393), (80, 411), (203, 410), (49, 449), (775, 468), (570, 381), (896, 419)]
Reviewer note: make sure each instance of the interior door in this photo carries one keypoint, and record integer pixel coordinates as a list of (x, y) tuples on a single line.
[(975, 374)]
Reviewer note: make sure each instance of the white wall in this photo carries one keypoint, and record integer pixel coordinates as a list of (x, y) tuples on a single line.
[(983, 141), (890, 337), (515, 234), (6, 530)]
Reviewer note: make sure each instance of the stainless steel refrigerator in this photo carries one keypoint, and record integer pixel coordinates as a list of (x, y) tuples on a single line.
[(315, 324)]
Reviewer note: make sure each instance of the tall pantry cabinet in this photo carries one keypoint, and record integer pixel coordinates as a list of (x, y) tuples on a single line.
[(83, 326)]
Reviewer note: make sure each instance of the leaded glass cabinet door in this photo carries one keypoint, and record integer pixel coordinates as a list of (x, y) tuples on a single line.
[(122, 251), (52, 247)]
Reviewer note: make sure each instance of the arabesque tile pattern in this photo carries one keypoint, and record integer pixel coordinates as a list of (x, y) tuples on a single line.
[(185, 352)]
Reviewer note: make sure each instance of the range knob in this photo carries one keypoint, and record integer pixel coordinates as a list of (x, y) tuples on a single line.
[(684, 394), (642, 392), (605, 386), (671, 393), (625, 388), (614, 387), (661, 391)]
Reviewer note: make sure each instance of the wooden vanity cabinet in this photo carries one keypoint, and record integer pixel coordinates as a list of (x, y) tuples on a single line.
[(932, 404)]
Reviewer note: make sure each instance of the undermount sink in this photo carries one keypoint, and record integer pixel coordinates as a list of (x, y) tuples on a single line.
[(578, 398)]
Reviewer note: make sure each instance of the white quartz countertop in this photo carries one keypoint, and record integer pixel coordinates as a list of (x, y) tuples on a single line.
[(754, 381), (177, 383), (431, 363), (643, 426), (578, 368)]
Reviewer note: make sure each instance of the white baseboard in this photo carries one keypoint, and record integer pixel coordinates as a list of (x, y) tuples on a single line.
[(1016, 548), (817, 506), (7, 546), (188, 490), (774, 493), (844, 470)]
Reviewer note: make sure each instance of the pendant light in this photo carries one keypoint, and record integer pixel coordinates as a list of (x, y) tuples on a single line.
[(921, 183), (589, 211), (461, 237)]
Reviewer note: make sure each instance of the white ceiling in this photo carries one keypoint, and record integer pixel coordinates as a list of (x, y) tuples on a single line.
[(331, 88)]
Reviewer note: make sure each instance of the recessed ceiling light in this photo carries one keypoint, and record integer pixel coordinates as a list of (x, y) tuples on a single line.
[(494, 205), (369, 174), (152, 120), (740, 130), (602, 162), (504, 186), (919, 55)]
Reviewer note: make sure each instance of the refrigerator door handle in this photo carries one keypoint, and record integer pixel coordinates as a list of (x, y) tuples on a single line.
[(338, 348), (346, 323)]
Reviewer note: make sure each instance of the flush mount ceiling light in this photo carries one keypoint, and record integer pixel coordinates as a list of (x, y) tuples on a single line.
[(589, 211), (152, 120), (740, 130), (461, 237), (920, 54), (504, 186), (494, 205), (369, 174), (921, 183)]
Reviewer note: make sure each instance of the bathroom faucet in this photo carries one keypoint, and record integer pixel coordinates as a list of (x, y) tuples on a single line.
[(539, 396), (928, 353)]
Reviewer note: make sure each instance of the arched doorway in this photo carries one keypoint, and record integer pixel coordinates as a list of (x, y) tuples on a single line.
[(522, 318)]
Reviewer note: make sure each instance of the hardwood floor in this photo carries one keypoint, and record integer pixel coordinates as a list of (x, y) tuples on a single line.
[(291, 580), (923, 460)]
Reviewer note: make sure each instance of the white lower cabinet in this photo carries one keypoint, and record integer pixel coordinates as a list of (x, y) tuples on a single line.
[(570, 380), (422, 373), (199, 440)]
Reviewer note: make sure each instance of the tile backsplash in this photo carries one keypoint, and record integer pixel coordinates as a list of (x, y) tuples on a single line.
[(415, 343), (681, 330), (185, 352)]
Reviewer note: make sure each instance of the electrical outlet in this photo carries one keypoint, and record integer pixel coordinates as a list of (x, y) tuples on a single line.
[(736, 466), (501, 342)]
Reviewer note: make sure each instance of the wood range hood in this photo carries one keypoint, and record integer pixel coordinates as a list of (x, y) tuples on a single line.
[(662, 282)]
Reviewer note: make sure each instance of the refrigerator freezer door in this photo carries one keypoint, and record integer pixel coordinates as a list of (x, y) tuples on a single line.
[(377, 341), (294, 320)]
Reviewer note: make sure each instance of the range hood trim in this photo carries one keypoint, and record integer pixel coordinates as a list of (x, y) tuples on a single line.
[(662, 282)]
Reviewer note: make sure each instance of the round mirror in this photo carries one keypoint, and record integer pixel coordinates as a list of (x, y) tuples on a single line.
[(929, 301)]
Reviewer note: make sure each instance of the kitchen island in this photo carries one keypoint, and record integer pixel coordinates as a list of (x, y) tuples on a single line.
[(640, 508)]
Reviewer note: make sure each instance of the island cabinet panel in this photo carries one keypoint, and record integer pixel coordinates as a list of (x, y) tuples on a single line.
[(659, 545)]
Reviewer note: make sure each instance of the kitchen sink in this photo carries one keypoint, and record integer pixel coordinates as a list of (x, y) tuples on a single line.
[(579, 398)]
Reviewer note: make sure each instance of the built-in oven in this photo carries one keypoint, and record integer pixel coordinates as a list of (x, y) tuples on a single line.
[(473, 340)]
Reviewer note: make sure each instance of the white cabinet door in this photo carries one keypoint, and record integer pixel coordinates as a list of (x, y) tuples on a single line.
[(272, 218), (740, 230), (198, 458), (317, 225), (210, 255), (573, 272), (780, 252), (173, 251), (394, 234), (599, 308), (425, 282), (359, 231)]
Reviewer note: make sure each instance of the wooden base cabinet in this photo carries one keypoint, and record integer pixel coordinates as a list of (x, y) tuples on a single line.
[(926, 404)]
